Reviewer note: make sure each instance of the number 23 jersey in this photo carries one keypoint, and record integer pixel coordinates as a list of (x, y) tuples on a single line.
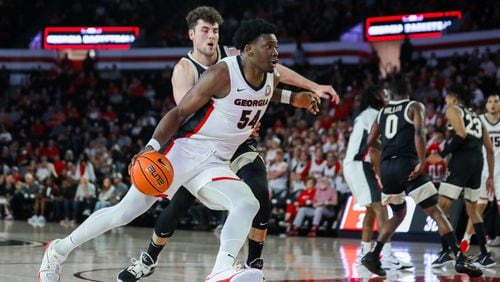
[(225, 123), (473, 129)]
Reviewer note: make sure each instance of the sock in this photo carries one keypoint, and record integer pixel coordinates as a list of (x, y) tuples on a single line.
[(387, 250), (65, 246), (154, 250), (378, 248), (254, 250), (365, 247), (444, 244), (467, 236), (481, 237), (451, 241)]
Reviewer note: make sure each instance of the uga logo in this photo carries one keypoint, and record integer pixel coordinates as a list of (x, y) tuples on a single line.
[(155, 175), (268, 90)]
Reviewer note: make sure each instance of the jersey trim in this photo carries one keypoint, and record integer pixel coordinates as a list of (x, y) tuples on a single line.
[(407, 118), (262, 84), (488, 121), (202, 122)]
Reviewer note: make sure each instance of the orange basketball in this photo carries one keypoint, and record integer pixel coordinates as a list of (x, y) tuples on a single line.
[(152, 173)]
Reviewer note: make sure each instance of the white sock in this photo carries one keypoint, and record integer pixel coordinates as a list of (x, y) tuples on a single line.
[(65, 246), (387, 250), (365, 247), (467, 236)]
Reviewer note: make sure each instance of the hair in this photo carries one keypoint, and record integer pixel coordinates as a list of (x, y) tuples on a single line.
[(400, 85), (250, 30), (205, 13), (371, 98), (456, 90)]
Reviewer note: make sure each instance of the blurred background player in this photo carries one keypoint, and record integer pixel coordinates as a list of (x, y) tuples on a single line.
[(362, 178), (465, 167), (400, 127)]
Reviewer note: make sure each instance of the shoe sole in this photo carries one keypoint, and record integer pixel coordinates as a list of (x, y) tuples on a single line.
[(444, 263), (484, 266), (46, 253), (251, 275)]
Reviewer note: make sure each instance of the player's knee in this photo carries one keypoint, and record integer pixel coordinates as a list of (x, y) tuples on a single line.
[(399, 211), (249, 205)]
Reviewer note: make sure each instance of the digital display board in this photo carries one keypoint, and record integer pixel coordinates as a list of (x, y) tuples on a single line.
[(108, 37), (413, 25)]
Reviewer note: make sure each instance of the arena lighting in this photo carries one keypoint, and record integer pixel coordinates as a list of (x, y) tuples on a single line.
[(107, 37), (414, 25)]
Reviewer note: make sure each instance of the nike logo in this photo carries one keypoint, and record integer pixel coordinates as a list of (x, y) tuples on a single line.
[(161, 162), (240, 89), (264, 223)]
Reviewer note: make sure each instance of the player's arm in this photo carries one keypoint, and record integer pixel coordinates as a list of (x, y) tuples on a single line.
[(213, 82), (291, 77), (458, 138), (303, 99), (490, 158), (375, 158), (183, 79), (416, 114)]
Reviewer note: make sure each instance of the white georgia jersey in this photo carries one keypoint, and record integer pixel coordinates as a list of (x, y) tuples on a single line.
[(357, 148), (224, 124), (494, 133)]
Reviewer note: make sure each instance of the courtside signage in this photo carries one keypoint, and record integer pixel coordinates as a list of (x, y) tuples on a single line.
[(108, 37), (423, 25)]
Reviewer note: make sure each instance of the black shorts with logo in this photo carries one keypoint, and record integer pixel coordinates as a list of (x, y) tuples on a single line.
[(465, 169), (395, 172)]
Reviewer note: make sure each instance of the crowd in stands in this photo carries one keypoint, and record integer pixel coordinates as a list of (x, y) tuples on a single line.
[(67, 136), (162, 22)]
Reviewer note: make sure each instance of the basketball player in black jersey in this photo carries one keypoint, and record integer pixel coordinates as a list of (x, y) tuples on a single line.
[(203, 23), (400, 126), (468, 135)]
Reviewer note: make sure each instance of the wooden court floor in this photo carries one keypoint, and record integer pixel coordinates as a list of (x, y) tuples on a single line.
[(190, 255)]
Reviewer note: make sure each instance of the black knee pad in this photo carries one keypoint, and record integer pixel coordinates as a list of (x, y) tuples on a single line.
[(169, 217), (429, 202), (255, 175), (396, 208)]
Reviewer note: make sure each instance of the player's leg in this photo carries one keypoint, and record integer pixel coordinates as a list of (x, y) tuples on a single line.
[(132, 205), (254, 174), (236, 197), (164, 229)]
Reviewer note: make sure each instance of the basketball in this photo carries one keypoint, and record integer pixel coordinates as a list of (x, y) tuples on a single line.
[(152, 173)]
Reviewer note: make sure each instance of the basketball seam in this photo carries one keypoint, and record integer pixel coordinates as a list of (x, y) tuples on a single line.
[(145, 177), (166, 178)]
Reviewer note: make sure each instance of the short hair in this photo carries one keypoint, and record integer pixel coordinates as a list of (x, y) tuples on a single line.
[(400, 85), (371, 98), (205, 13), (250, 30), (456, 90)]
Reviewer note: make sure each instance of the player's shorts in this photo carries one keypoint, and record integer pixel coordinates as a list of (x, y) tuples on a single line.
[(361, 179), (395, 172), (483, 192), (463, 173), (195, 165)]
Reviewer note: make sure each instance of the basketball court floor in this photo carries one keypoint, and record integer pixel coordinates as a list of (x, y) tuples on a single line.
[(190, 256)]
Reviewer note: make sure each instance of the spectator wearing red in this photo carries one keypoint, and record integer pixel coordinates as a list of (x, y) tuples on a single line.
[(304, 199), (435, 166)]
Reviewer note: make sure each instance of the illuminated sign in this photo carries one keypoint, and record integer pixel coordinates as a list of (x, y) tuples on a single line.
[(109, 37), (415, 26)]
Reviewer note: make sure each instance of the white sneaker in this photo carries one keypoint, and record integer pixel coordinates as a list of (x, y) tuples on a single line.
[(50, 270), (394, 263), (32, 220), (237, 274), (495, 242), (40, 219)]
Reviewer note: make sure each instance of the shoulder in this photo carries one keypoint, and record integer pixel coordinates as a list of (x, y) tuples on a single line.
[(184, 68), (231, 51)]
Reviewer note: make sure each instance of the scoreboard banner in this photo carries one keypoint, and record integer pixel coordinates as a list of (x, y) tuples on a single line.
[(423, 25), (416, 221), (107, 37)]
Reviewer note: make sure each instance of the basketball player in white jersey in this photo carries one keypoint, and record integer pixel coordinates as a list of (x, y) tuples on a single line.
[(203, 23), (361, 176), (491, 121), (200, 135)]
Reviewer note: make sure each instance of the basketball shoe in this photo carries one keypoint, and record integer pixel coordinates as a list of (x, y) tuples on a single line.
[(444, 257), (484, 260), (256, 263), (142, 267), (394, 263), (372, 262), (50, 270), (463, 265), (237, 274)]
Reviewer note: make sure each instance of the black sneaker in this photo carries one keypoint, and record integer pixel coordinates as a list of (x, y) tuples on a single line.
[(257, 263), (463, 265), (484, 260), (139, 268), (444, 258), (372, 262)]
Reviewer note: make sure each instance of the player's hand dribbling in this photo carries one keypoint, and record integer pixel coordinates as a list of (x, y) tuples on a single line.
[(419, 168), (147, 149), (326, 92)]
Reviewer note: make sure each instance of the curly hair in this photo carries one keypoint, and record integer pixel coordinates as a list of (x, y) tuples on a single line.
[(205, 13), (371, 98), (400, 85), (250, 30)]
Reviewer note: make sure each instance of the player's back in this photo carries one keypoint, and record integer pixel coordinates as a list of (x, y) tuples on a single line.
[(396, 130), (357, 147), (473, 129)]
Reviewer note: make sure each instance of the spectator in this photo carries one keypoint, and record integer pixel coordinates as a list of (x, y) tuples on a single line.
[(305, 199), (277, 173), (107, 194), (84, 199), (84, 169)]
